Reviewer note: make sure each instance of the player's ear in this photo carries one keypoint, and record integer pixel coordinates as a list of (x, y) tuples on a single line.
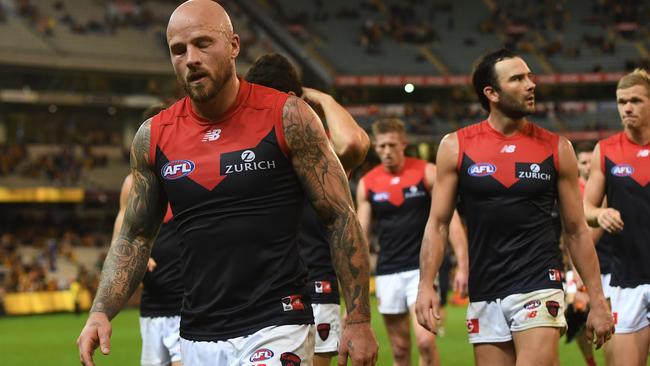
[(292, 93)]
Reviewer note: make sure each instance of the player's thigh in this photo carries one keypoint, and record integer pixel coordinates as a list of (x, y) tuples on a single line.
[(288, 344), (488, 354), (391, 293), (631, 348), (422, 335), (272, 346), (397, 327), (154, 352), (630, 308), (537, 346), (328, 328)]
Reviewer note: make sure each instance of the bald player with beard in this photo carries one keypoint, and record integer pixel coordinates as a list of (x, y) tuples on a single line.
[(234, 161)]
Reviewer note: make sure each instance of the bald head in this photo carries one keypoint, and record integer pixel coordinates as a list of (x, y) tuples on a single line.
[(205, 14)]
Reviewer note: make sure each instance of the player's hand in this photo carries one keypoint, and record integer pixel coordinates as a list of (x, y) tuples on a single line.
[(96, 332), (359, 343), (610, 220), (151, 265), (460, 282), (600, 323), (427, 307)]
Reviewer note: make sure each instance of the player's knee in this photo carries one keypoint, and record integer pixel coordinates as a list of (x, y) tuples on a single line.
[(426, 343), (401, 352)]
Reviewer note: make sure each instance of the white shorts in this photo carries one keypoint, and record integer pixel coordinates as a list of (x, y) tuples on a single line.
[(272, 346), (396, 292), (328, 327), (607, 289), (160, 340), (494, 321), (631, 308)]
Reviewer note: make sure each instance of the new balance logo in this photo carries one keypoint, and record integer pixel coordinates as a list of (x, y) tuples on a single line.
[(508, 149), (643, 153), (212, 135)]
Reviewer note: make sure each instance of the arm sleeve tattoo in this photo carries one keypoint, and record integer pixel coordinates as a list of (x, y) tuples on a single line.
[(324, 180), (127, 257)]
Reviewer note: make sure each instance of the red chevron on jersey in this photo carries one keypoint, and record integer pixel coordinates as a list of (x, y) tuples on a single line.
[(382, 186), (496, 155), (190, 143), (628, 158)]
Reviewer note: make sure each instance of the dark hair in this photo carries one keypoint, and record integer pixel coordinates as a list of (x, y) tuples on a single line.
[(275, 71), (152, 110), (484, 74), (584, 146)]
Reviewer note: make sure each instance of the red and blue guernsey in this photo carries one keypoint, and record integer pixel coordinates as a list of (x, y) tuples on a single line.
[(400, 206), (626, 166), (507, 193), (237, 206)]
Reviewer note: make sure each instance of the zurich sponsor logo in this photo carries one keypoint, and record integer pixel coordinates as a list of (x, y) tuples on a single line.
[(177, 169), (481, 169), (248, 156), (622, 170), (261, 354)]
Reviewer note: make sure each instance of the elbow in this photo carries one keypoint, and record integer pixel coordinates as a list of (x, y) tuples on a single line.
[(353, 151)]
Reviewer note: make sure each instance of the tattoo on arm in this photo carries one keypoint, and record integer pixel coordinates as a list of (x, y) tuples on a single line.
[(325, 182), (127, 257)]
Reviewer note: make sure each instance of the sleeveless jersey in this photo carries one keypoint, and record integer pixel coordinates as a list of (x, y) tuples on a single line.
[(605, 251), (400, 209), (507, 193), (162, 291), (626, 166), (322, 284), (237, 205)]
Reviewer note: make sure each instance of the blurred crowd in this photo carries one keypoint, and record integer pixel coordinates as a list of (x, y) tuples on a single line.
[(30, 262), (63, 167)]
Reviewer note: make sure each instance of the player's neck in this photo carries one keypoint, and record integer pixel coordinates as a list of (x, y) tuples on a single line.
[(395, 169), (505, 125), (214, 109), (640, 136)]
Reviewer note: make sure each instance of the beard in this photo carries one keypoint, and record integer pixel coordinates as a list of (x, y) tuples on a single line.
[(211, 85), (513, 108)]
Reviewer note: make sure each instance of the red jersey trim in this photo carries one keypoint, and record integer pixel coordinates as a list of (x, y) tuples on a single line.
[(279, 124), (460, 136), (556, 155), (169, 215), (154, 135), (425, 180)]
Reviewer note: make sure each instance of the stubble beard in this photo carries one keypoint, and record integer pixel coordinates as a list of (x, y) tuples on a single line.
[(201, 93), (513, 109)]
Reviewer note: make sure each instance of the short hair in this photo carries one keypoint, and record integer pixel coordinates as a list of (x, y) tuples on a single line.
[(484, 74), (388, 125), (275, 71), (152, 110), (637, 77), (584, 146)]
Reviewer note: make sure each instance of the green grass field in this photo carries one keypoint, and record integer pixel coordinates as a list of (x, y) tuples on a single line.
[(50, 340)]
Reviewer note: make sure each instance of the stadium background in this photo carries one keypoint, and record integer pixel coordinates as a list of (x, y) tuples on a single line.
[(75, 76)]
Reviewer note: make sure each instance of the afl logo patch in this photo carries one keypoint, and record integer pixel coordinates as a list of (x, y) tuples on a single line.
[(622, 170), (261, 354), (177, 169), (481, 169)]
